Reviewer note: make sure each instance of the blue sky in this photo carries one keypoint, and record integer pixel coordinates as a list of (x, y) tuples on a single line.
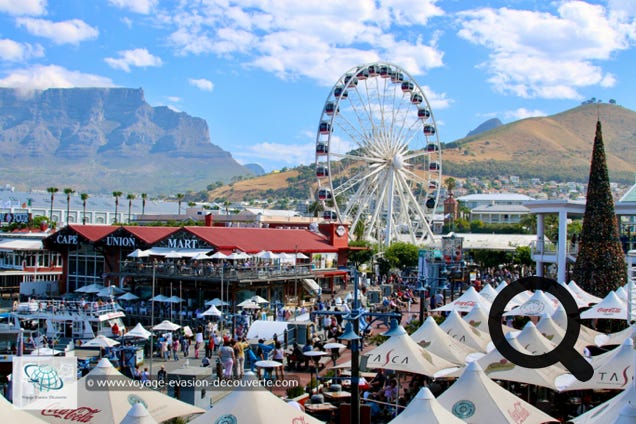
[(259, 71)]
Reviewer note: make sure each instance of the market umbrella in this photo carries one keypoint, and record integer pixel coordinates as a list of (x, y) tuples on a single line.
[(615, 338), (216, 302), (590, 298), (245, 302), (266, 254), (612, 370), (138, 414), (258, 299), (463, 332), (250, 305), (139, 332), (611, 307), (138, 253), (402, 353), (111, 406), (255, 406), (475, 398), (200, 257), (533, 341), (45, 351), (609, 411), (236, 256), (301, 255), (212, 311), (560, 318), (166, 325), (581, 302), (551, 331), (466, 302), (537, 305), (174, 299), (497, 367), (128, 296), (100, 341), (11, 414), (488, 292), (90, 288), (173, 254), (218, 255), (425, 408), (478, 318), (431, 337), (110, 291), (159, 298)]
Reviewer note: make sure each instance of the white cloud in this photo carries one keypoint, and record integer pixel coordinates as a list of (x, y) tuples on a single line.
[(138, 57), (143, 7), (23, 7), (65, 32), (12, 51), (201, 83), (42, 77), (174, 99), (296, 154), (522, 113), (538, 54), (317, 40)]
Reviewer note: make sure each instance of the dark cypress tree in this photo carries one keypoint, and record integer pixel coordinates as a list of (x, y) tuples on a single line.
[(600, 265)]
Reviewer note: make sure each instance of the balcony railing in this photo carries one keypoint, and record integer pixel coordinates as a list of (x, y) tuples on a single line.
[(543, 248)]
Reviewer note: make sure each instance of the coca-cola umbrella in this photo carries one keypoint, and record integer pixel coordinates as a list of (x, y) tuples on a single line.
[(138, 414), (11, 414), (611, 307)]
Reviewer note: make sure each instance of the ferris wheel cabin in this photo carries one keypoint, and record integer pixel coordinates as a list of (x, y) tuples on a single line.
[(340, 92), (322, 171), (429, 130), (407, 86), (423, 113), (324, 194), (322, 148)]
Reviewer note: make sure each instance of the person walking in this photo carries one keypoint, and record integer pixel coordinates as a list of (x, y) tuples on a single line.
[(279, 356), (175, 349), (226, 355)]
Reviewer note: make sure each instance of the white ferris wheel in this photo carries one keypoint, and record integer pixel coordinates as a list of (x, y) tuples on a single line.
[(378, 155)]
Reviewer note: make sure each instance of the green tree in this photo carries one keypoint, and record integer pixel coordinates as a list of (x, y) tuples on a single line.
[(315, 208), (144, 197), (52, 190), (450, 183), (600, 263), (116, 195), (180, 197), (84, 197), (362, 252), (523, 256), (401, 255), (68, 192), (130, 197)]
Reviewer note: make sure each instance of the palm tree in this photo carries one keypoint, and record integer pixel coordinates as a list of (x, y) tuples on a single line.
[(84, 197), (116, 195), (130, 197), (180, 197), (68, 192), (144, 196), (52, 190)]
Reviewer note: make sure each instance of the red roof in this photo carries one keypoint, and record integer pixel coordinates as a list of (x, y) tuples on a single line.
[(151, 235), (93, 233)]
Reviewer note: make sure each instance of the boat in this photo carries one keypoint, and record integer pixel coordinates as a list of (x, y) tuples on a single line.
[(57, 324)]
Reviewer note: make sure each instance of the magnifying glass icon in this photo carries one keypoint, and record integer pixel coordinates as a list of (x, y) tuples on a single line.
[(564, 352)]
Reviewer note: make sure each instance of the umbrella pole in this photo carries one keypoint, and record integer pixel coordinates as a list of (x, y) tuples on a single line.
[(152, 316)]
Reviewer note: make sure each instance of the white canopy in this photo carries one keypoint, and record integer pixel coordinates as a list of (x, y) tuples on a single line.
[(91, 288), (609, 411), (138, 253), (218, 255), (478, 318), (100, 341), (166, 325), (422, 407), (533, 340), (560, 318), (537, 305), (258, 299), (159, 298), (551, 331), (10, 414), (401, 353), (138, 331), (212, 311), (612, 370), (466, 302), (111, 406), (581, 302), (261, 329), (590, 298), (173, 254), (460, 330), (110, 291), (138, 414), (266, 255), (128, 296), (253, 406), (488, 292), (216, 302), (237, 255), (615, 338), (431, 337), (475, 398), (200, 257), (611, 307), (174, 299)]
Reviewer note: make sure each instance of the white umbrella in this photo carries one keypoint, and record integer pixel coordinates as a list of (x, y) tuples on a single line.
[(201, 257), (478, 318), (173, 255), (110, 291), (621, 292), (138, 414), (45, 351), (301, 255), (611, 307), (475, 398), (138, 253), (166, 325), (560, 317), (590, 298), (246, 302), (466, 302), (91, 288), (538, 304), (139, 332), (460, 330), (236, 256), (425, 408), (609, 411), (174, 299), (11, 414), (258, 299), (581, 302), (533, 341), (551, 331), (254, 406), (431, 337), (111, 406), (334, 346), (128, 296), (212, 311), (100, 341), (216, 302), (218, 255), (615, 338), (612, 370), (159, 298), (497, 367), (266, 254), (488, 293), (402, 353), (251, 305)]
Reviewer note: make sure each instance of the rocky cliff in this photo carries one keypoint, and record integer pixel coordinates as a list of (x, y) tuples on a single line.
[(105, 139)]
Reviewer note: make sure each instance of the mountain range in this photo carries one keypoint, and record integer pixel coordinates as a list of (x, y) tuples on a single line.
[(104, 139)]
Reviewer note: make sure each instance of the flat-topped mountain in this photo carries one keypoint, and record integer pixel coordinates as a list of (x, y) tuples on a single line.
[(105, 139)]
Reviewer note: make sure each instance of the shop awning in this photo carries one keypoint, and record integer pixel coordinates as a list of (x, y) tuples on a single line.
[(311, 285)]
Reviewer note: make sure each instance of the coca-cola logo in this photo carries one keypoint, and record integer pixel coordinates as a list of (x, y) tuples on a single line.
[(82, 414), (609, 310)]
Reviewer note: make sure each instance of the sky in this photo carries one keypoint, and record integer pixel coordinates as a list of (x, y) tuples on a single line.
[(259, 71)]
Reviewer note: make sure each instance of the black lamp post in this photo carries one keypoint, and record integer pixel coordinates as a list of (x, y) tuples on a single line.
[(421, 290)]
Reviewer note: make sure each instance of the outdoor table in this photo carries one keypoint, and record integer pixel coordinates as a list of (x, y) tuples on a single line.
[(315, 355), (267, 365)]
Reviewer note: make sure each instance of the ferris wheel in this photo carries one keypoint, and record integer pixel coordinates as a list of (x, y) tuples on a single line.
[(378, 156)]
